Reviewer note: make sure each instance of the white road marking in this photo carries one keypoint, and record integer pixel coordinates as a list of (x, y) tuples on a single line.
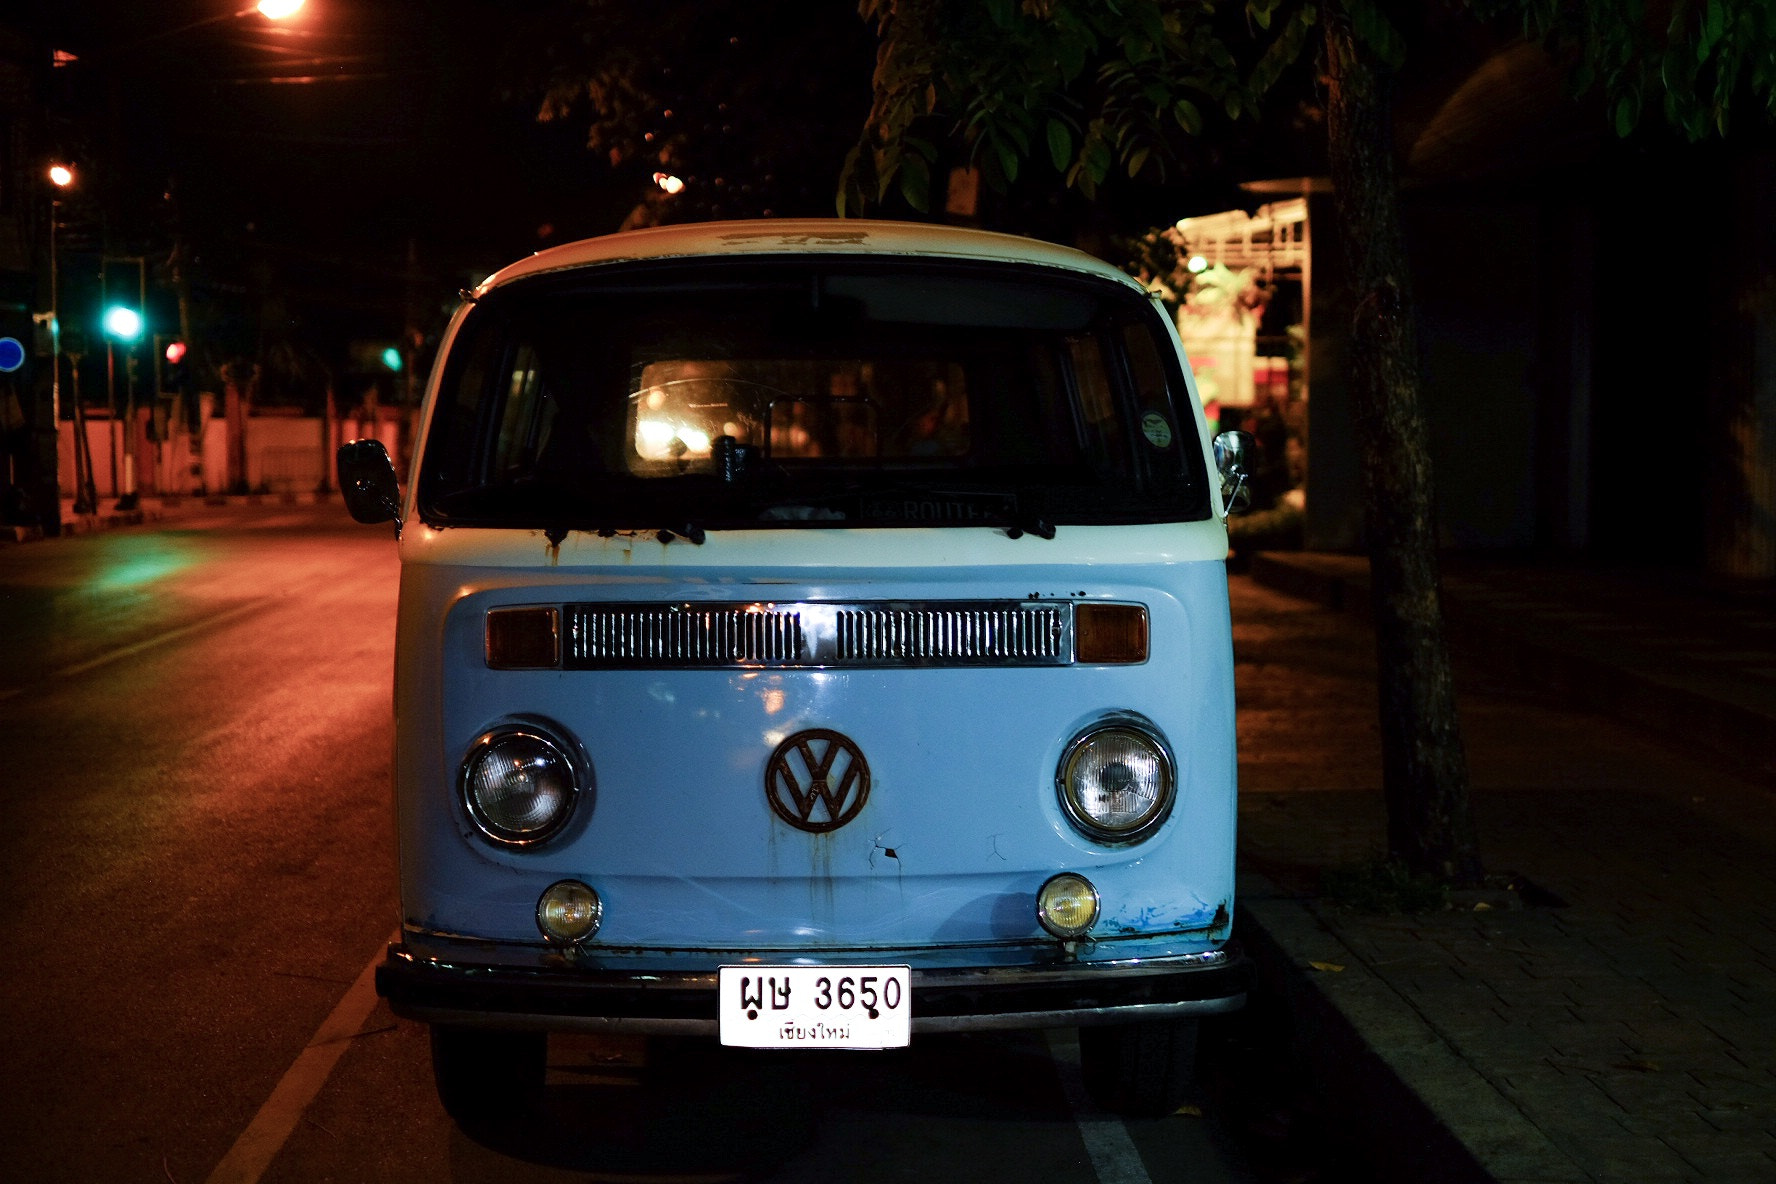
[(160, 639), (1113, 1154), (270, 1129)]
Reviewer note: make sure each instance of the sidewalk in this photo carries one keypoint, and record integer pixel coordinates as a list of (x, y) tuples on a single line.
[(1622, 730)]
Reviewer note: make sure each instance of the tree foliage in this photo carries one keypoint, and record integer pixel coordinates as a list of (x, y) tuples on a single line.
[(1093, 87), (751, 103), (1696, 56), (1087, 87)]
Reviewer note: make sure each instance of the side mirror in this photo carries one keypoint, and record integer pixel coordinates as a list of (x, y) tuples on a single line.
[(367, 480), (1233, 457)]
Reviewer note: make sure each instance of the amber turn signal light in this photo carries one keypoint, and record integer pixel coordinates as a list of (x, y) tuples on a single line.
[(1110, 634), (523, 638)]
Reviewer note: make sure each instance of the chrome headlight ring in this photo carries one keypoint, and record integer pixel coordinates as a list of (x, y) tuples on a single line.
[(520, 782), (1117, 780)]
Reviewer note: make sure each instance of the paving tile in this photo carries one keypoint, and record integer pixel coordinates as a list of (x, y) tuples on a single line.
[(1636, 1027), (1627, 1159), (1731, 1165)]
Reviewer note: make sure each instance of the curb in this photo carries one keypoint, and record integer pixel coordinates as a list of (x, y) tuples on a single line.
[(1420, 1112)]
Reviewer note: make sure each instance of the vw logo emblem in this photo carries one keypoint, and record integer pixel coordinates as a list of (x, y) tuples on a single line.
[(817, 780)]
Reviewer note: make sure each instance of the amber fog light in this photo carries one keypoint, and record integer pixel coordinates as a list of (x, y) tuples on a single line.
[(1067, 905), (569, 912), (1110, 634), (523, 638)]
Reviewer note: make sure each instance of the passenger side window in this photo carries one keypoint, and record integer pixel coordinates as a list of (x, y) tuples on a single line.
[(527, 415)]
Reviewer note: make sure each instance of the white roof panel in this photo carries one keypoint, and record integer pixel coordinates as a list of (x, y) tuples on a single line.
[(802, 236)]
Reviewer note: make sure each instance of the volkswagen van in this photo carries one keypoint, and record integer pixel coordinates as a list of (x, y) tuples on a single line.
[(811, 635)]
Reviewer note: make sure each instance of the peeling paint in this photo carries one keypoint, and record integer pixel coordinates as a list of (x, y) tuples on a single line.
[(887, 852)]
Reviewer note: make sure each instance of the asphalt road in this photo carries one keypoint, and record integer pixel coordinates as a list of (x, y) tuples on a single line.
[(197, 870)]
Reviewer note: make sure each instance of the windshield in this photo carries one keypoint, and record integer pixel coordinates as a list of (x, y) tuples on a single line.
[(809, 393)]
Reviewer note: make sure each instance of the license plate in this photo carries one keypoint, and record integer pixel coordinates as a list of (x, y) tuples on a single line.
[(815, 1006)]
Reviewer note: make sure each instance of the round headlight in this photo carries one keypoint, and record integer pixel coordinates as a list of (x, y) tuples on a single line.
[(569, 912), (1116, 782), (519, 785)]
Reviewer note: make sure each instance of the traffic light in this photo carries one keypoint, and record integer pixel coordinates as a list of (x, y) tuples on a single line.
[(173, 367), (123, 323)]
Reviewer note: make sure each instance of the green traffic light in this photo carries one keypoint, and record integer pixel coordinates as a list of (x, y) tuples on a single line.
[(123, 323), (391, 357)]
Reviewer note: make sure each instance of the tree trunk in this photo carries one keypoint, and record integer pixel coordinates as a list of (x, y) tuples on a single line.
[(1424, 768)]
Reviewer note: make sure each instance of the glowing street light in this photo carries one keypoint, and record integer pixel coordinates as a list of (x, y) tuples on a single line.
[(271, 10), (61, 175)]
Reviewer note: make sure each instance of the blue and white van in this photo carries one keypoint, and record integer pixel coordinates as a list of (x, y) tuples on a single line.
[(812, 634)]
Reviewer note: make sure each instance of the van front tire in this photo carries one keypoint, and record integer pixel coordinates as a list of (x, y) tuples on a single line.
[(482, 1073), (1143, 1070)]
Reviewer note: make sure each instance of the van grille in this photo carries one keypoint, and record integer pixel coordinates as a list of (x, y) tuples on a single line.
[(683, 635), (1001, 635), (951, 633)]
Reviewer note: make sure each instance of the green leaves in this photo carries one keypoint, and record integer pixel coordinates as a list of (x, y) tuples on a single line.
[(915, 183), (1714, 24), (1185, 113), (1060, 145), (1373, 28), (1698, 59), (1093, 89), (1285, 50)]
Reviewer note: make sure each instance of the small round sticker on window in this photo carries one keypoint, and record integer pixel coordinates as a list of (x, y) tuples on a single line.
[(1157, 430)]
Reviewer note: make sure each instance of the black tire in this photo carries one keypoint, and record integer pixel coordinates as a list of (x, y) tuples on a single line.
[(482, 1073), (1144, 1070)]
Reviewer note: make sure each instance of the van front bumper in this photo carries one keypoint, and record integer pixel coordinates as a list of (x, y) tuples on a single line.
[(658, 999)]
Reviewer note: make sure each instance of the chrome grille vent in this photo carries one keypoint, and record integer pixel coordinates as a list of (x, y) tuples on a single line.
[(815, 634), (990, 634), (683, 635)]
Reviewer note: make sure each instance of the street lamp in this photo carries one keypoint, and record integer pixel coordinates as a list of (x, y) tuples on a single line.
[(86, 500), (61, 176), (271, 10)]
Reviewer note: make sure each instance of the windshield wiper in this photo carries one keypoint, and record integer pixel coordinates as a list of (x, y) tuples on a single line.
[(690, 532)]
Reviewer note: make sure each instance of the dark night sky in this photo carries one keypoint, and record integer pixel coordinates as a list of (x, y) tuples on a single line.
[(304, 160), (355, 127)]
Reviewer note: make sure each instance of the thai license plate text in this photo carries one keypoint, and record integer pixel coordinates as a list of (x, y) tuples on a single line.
[(815, 1006)]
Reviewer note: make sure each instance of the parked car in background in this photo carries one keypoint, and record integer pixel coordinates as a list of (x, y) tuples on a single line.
[(812, 635)]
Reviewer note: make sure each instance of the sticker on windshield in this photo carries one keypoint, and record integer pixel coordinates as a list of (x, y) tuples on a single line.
[(1157, 430)]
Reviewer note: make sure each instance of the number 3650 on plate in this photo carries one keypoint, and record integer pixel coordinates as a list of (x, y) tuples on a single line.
[(815, 1006)]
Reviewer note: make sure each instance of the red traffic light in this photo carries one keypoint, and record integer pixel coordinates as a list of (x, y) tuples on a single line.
[(175, 352)]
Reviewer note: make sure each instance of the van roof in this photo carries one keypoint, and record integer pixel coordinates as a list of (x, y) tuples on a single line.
[(802, 236)]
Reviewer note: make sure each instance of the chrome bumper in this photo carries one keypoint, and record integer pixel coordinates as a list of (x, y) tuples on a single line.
[(683, 1002)]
